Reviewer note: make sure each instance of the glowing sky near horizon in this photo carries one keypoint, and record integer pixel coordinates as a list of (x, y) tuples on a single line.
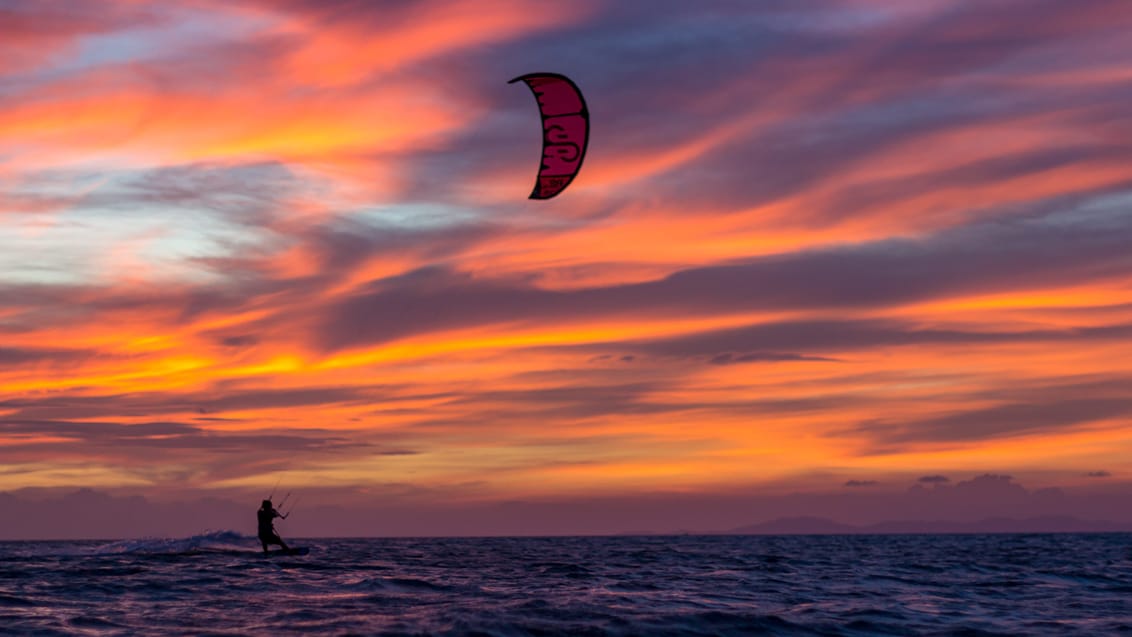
[(812, 243)]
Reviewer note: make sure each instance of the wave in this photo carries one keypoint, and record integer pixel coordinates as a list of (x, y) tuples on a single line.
[(218, 583), (207, 542)]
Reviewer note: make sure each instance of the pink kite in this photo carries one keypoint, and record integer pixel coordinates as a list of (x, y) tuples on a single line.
[(565, 131)]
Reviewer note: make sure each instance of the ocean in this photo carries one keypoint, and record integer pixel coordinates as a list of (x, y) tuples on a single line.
[(220, 584)]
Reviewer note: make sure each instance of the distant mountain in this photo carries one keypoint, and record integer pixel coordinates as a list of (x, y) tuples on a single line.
[(823, 526), (797, 526)]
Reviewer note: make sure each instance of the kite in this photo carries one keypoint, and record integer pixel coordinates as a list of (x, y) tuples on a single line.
[(565, 131)]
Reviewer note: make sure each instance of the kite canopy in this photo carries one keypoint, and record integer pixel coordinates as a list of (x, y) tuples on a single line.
[(565, 131)]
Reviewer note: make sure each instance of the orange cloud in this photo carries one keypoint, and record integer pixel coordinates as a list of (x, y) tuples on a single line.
[(817, 258)]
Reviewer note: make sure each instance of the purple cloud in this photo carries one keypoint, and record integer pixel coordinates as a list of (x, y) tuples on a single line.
[(934, 479)]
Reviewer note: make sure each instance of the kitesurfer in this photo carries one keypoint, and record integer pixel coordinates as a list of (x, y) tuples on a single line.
[(266, 518)]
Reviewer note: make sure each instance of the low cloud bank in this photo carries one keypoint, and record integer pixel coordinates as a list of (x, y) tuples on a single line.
[(940, 506)]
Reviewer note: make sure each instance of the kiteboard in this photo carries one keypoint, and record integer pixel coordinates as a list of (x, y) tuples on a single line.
[(294, 550)]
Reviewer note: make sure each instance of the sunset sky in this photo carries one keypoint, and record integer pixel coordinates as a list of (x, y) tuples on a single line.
[(815, 247)]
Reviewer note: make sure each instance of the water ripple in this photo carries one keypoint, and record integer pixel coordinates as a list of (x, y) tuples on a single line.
[(219, 583)]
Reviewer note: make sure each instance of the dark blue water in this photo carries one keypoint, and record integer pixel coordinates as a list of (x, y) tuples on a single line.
[(715, 585)]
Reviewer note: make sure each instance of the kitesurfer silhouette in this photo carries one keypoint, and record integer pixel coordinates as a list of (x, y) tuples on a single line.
[(266, 518)]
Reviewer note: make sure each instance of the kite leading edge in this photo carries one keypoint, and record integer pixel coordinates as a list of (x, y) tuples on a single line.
[(565, 131)]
